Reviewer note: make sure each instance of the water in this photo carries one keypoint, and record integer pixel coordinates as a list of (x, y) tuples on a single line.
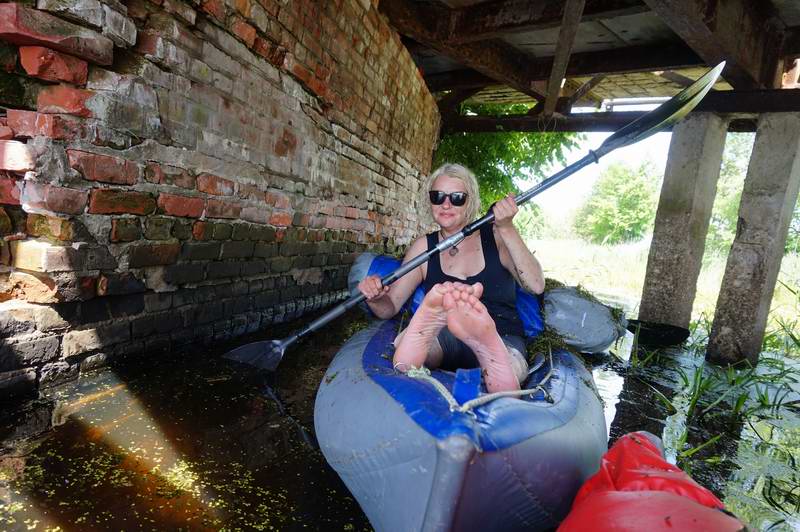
[(193, 442)]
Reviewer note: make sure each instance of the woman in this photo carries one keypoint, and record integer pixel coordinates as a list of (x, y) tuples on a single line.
[(468, 317)]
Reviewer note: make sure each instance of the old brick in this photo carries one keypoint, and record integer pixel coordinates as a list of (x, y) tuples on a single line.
[(10, 190), (281, 219), (24, 26), (33, 352), (281, 264), (222, 231), (113, 284), (54, 198), (200, 250), (109, 201), (48, 64), (153, 254), (262, 232), (185, 273), (265, 250), (215, 8), (88, 11), (77, 342), (125, 230), (253, 267), (64, 99), (50, 227), (182, 230), (278, 200), (217, 270), (6, 225), (241, 232), (118, 27), (222, 209), (32, 124), (244, 31), (237, 250), (215, 185), (169, 175), (8, 57), (6, 133), (158, 228), (40, 256), (16, 156), (203, 231), (18, 383), (125, 305), (104, 168), (259, 215), (272, 52), (183, 206), (50, 288)]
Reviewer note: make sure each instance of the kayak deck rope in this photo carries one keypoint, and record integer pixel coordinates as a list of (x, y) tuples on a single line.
[(424, 374)]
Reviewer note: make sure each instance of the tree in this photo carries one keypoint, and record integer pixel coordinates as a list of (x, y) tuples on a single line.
[(725, 213), (501, 159), (621, 206)]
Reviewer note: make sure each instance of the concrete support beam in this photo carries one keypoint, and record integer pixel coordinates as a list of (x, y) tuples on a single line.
[(768, 198), (684, 211)]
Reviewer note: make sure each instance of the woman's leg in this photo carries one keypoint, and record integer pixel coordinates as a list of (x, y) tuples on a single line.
[(470, 322)]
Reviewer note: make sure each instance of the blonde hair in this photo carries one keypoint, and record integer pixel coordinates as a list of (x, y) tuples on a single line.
[(466, 176)]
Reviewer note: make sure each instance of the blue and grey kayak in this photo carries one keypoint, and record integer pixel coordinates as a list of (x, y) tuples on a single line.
[(424, 454)]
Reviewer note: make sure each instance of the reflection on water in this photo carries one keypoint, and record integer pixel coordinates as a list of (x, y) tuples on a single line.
[(195, 443)]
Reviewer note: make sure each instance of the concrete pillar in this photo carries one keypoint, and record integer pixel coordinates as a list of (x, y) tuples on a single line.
[(768, 198), (684, 211)]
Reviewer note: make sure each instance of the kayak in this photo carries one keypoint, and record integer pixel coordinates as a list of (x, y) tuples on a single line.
[(431, 450)]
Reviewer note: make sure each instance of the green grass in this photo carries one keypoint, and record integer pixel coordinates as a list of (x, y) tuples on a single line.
[(616, 273)]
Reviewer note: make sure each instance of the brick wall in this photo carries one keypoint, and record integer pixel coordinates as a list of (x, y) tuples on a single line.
[(176, 172)]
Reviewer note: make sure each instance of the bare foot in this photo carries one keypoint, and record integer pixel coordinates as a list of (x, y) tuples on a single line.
[(470, 322), (413, 347)]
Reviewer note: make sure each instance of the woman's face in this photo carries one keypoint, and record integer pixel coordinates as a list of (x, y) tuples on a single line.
[(447, 215)]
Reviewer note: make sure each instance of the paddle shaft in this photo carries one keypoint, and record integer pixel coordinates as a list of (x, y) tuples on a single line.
[(656, 120)]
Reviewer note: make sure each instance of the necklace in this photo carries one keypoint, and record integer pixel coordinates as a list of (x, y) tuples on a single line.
[(453, 251)]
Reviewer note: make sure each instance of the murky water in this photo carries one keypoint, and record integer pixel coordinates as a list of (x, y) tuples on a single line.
[(196, 443)]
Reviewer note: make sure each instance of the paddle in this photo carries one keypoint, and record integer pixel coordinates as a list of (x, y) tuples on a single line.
[(267, 354)]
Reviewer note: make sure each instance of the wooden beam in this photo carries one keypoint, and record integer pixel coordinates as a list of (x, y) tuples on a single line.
[(620, 61), (494, 59), (746, 34), (490, 20), (741, 106), (585, 89), (573, 10), (449, 104)]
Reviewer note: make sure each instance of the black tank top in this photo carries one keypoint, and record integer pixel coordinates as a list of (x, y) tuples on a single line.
[(499, 286)]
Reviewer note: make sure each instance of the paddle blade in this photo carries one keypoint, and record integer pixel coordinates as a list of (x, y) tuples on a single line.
[(266, 354), (664, 115)]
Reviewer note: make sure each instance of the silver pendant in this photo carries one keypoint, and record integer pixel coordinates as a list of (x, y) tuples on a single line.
[(453, 251)]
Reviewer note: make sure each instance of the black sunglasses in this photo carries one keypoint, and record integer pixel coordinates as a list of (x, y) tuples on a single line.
[(457, 199)]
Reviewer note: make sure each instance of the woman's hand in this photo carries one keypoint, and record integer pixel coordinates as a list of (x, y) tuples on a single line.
[(371, 287), (504, 211)]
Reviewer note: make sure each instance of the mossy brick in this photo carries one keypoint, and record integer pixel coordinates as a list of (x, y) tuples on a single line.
[(113, 284), (78, 342), (158, 228), (111, 201), (153, 254), (10, 190), (47, 64), (126, 305), (6, 226), (49, 227), (262, 232), (8, 57), (222, 231), (280, 264), (241, 232), (253, 267), (203, 230), (237, 250), (25, 26), (200, 250), (55, 126), (259, 215), (207, 313), (125, 230), (319, 260), (219, 270), (182, 229), (18, 91), (156, 302), (179, 274), (265, 250), (301, 263), (104, 168)]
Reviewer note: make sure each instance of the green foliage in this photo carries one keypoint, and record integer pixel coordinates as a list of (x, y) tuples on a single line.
[(725, 214), (501, 159), (621, 206)]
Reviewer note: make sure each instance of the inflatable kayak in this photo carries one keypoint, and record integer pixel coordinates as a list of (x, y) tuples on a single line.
[(425, 452)]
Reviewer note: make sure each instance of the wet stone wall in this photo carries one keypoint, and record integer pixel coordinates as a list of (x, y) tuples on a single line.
[(176, 172)]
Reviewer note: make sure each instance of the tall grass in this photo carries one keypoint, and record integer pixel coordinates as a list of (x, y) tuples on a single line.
[(617, 273)]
